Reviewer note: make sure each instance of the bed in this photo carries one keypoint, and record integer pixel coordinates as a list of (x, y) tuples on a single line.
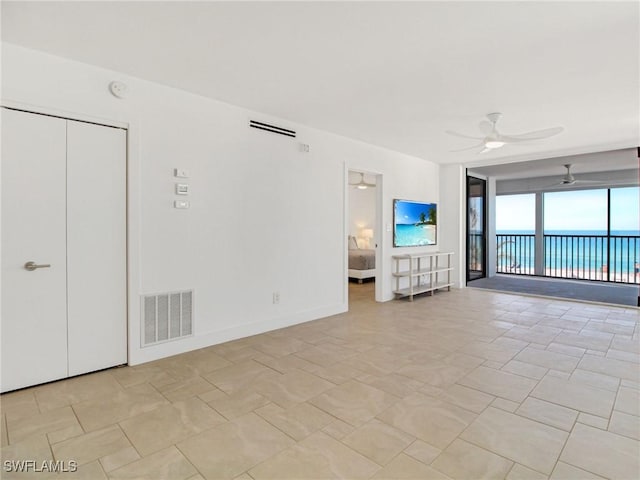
[(362, 261)]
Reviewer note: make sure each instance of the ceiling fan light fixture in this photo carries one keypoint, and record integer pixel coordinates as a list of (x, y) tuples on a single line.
[(494, 144), (361, 187)]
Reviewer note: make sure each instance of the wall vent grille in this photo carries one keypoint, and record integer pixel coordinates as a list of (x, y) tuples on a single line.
[(272, 128), (166, 317)]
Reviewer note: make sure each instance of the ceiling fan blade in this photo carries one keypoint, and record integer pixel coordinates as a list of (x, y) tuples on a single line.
[(589, 181), (468, 148), (486, 127), (456, 134), (485, 150), (535, 135)]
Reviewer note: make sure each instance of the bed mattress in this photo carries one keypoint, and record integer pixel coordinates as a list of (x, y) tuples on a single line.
[(362, 259)]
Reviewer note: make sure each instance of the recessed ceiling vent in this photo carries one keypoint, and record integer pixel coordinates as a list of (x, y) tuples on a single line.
[(166, 317), (272, 128)]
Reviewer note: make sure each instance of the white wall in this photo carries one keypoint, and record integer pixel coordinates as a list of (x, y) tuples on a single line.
[(452, 220), (265, 216), (362, 213)]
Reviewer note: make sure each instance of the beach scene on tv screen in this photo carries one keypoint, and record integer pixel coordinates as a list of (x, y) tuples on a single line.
[(415, 224)]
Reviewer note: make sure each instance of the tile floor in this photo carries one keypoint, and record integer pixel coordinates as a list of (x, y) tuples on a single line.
[(466, 384)]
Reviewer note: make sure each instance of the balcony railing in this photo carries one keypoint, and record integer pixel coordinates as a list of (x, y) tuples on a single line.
[(587, 257)]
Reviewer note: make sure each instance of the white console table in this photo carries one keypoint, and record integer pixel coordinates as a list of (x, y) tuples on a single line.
[(423, 272)]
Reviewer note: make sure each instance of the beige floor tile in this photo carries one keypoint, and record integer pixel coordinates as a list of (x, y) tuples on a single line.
[(422, 451), (40, 424), (169, 424), (566, 349), (168, 463), (316, 457), (91, 446), (525, 369), (19, 404), (536, 334), (354, 402), (586, 339), (502, 433), (298, 422), (499, 383), (326, 354), (378, 441), (576, 396), (338, 373), (151, 372), (286, 363), (291, 388), (548, 359), (230, 449), (464, 460), (395, 384), (628, 401), (65, 433), (279, 346), (238, 403), (404, 467), (617, 456), (119, 459), (611, 366), (32, 448), (101, 412), (625, 424), (564, 471), (597, 380), (338, 429), (185, 389), (548, 413), (436, 374), (430, 419), (240, 376), (593, 420), (506, 405), (489, 351), (520, 472), (466, 398), (4, 436), (71, 391)]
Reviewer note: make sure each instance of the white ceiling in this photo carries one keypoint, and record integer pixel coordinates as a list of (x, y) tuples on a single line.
[(395, 74)]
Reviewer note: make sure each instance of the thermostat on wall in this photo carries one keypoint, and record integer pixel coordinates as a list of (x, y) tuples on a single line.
[(182, 189)]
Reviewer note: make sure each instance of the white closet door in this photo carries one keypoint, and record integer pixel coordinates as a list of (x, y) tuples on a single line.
[(96, 241), (34, 303)]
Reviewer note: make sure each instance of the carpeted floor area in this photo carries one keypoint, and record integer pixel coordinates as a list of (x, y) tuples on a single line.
[(577, 290)]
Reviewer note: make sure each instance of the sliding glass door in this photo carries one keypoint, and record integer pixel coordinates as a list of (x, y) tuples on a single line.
[(476, 228)]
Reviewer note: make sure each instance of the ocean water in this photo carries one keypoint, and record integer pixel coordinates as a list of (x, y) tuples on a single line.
[(586, 251), (414, 235)]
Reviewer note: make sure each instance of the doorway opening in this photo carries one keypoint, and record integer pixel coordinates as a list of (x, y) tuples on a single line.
[(363, 220), (476, 228)]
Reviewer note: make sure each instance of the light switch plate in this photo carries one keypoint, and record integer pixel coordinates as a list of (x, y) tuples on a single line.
[(181, 204), (182, 189)]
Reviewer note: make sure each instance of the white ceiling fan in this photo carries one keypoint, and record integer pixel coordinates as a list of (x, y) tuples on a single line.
[(362, 185), (569, 179), (494, 139)]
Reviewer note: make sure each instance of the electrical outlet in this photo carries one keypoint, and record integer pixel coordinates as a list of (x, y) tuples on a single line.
[(276, 298)]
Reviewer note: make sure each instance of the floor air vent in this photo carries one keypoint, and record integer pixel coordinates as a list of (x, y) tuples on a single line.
[(272, 128), (166, 317)]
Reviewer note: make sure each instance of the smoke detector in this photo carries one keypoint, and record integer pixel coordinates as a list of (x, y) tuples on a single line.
[(118, 89)]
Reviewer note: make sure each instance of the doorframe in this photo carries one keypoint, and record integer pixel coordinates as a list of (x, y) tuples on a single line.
[(468, 227), (130, 213), (377, 236)]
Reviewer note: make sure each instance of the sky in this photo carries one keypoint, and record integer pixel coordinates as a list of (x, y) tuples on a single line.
[(409, 212), (573, 210)]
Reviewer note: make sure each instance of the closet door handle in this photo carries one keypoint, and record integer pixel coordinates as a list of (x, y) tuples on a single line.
[(31, 266)]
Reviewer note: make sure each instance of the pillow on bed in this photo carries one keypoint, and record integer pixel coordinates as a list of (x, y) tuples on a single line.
[(353, 243)]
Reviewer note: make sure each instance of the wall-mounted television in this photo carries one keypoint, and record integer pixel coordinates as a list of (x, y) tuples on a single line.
[(414, 223)]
